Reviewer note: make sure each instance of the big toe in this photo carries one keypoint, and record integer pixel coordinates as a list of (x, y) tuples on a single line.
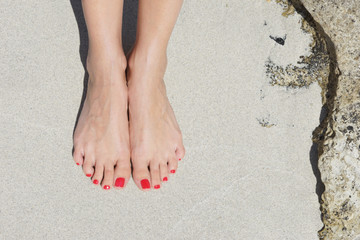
[(122, 173), (141, 175)]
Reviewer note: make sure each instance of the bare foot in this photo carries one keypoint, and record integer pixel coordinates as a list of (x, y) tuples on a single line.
[(101, 138), (155, 137)]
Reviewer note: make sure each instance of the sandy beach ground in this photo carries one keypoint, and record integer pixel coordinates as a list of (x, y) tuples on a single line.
[(247, 173)]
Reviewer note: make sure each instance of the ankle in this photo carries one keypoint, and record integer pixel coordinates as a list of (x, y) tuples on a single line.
[(144, 58), (106, 67), (103, 60)]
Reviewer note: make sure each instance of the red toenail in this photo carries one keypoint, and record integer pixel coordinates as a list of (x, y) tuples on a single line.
[(179, 159), (145, 184), (77, 163), (106, 187), (165, 179), (157, 186), (88, 175), (172, 171), (95, 181), (119, 182)]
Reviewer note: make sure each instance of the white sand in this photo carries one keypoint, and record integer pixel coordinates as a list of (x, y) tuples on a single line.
[(239, 180)]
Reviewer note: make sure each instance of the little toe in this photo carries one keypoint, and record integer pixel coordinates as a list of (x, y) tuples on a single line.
[(164, 172), (98, 174), (180, 152), (88, 165), (141, 176), (78, 156), (108, 176), (122, 173), (155, 176), (172, 165)]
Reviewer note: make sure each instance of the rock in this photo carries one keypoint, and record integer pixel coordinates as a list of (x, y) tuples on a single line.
[(312, 68), (338, 136)]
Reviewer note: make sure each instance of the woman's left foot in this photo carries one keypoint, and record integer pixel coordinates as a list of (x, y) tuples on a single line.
[(155, 138)]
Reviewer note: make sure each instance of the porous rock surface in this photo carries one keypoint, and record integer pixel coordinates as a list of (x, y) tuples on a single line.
[(312, 68), (339, 134)]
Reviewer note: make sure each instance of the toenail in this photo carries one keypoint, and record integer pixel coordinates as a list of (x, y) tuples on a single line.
[(179, 159), (172, 171), (165, 179), (119, 182), (95, 181), (157, 186), (77, 163), (145, 184), (106, 187), (88, 175)]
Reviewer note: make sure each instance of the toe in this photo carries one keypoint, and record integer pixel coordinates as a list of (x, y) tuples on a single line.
[(88, 165), (180, 152), (78, 156), (141, 175), (108, 176), (122, 173), (164, 172), (98, 174), (155, 176), (172, 165)]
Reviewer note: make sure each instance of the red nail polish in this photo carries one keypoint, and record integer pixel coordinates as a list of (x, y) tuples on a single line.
[(88, 175), (106, 187), (179, 159), (172, 171), (77, 163), (95, 181), (145, 184), (165, 179), (119, 182), (157, 186)]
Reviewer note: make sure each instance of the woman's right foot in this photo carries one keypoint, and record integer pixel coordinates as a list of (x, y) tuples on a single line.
[(101, 138)]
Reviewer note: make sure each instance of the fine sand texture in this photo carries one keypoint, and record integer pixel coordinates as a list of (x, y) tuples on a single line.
[(249, 168)]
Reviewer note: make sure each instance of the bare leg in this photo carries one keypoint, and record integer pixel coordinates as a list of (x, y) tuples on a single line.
[(155, 137), (101, 139)]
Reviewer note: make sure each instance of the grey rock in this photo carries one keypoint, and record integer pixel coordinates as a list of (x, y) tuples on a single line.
[(338, 135)]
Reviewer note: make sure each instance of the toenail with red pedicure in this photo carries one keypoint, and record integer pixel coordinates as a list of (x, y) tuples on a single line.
[(77, 163), (88, 175), (165, 179), (157, 186), (119, 182), (179, 159), (95, 181), (145, 184), (172, 171), (106, 187)]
